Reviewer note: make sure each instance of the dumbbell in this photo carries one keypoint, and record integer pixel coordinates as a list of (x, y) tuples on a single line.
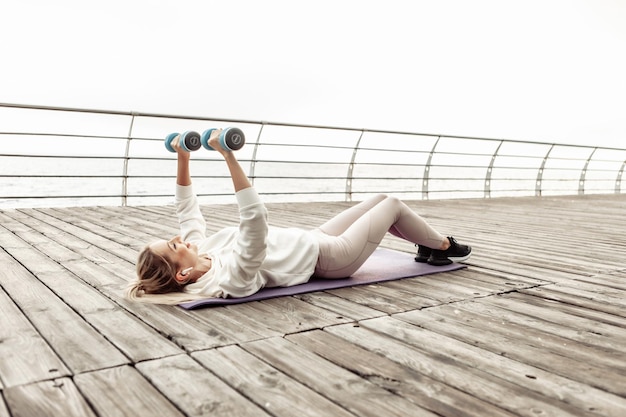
[(189, 141), (231, 139)]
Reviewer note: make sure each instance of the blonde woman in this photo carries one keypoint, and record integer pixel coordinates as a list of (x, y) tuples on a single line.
[(239, 261)]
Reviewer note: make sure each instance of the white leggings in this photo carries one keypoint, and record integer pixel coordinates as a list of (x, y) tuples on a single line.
[(348, 239)]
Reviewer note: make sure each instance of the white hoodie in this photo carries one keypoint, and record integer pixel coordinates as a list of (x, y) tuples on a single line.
[(250, 257)]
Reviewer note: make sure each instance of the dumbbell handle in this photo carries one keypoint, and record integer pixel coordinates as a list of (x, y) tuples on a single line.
[(231, 139)]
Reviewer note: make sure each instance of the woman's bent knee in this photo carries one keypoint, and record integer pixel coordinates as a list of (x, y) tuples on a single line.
[(393, 201), (380, 197)]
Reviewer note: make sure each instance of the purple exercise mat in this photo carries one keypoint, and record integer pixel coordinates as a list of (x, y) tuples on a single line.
[(383, 265)]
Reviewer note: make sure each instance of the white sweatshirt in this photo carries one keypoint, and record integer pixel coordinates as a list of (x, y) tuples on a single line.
[(250, 257)]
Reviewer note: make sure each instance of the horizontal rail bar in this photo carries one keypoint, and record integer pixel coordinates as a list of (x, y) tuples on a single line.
[(250, 121)]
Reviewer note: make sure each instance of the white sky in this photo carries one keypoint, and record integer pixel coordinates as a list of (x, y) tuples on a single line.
[(548, 70)]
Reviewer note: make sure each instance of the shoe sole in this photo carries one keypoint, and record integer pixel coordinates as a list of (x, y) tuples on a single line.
[(441, 262), (460, 258), (450, 259)]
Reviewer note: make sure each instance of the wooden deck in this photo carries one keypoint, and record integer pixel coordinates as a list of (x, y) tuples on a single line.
[(535, 326)]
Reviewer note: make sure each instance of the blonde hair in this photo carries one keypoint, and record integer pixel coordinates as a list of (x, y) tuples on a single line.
[(156, 281)]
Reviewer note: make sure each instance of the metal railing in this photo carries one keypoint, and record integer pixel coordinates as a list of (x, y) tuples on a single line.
[(71, 156)]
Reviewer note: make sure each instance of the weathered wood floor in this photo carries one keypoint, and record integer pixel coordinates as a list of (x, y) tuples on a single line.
[(535, 326)]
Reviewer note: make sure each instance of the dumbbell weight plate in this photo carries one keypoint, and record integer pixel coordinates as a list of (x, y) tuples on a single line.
[(232, 138), (168, 141), (190, 141)]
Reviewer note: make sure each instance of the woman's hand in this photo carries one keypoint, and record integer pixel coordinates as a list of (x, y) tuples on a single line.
[(183, 176), (214, 142), (182, 154)]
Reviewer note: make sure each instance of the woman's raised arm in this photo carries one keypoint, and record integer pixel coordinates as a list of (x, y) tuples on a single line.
[(183, 176), (239, 177)]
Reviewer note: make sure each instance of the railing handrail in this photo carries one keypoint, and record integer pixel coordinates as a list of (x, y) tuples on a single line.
[(435, 158), (284, 124)]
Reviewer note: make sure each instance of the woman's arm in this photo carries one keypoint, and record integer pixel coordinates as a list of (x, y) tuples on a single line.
[(239, 177), (183, 176), (240, 271), (192, 224)]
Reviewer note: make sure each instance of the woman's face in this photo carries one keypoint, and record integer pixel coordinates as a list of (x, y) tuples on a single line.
[(177, 251)]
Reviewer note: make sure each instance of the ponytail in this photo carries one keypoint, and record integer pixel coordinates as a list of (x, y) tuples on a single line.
[(136, 294), (156, 281)]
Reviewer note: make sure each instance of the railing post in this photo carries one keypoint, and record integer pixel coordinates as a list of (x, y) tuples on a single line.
[(126, 158), (426, 176), (618, 180), (350, 174), (583, 173), (540, 172), (490, 170), (253, 161)]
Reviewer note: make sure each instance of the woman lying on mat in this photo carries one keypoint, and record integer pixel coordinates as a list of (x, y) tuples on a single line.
[(239, 261)]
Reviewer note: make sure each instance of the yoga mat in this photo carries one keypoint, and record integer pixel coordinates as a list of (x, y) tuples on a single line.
[(383, 265)]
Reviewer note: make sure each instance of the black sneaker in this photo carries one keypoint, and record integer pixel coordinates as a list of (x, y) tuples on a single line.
[(423, 253), (455, 253)]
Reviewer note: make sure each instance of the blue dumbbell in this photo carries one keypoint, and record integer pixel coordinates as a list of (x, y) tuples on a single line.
[(231, 139), (189, 141)]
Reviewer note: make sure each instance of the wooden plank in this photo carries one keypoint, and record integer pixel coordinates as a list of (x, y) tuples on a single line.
[(475, 382), (122, 391), (350, 391), (445, 288), (286, 315), (25, 356), (8, 229), (514, 266), (129, 335), (340, 306), (384, 298), (178, 325), (556, 338), (595, 316), (420, 389), (600, 334), (266, 386), (196, 391), (83, 348), (483, 284), (603, 294), (516, 280), (613, 279), (546, 383), (91, 245), (230, 327), (58, 397), (498, 338), (577, 298), (4, 412), (143, 225), (102, 223)]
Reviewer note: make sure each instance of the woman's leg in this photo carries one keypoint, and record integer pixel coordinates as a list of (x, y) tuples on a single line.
[(343, 253), (340, 223)]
